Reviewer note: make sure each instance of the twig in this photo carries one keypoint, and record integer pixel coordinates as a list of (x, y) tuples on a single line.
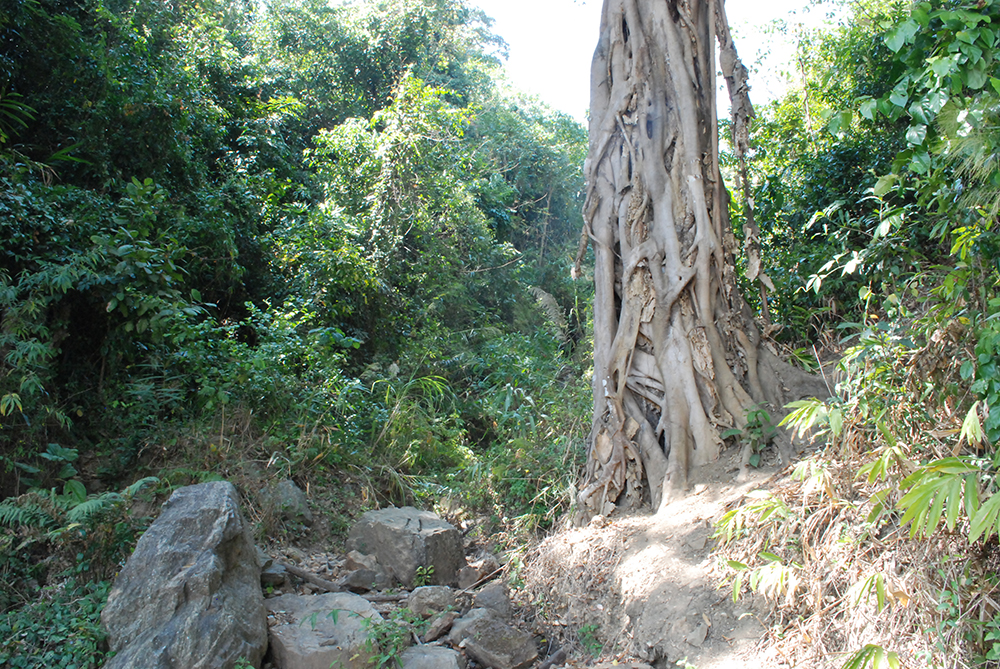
[(330, 586), (482, 580), (309, 577)]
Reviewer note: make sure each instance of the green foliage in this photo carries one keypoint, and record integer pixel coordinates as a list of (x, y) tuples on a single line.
[(88, 534), (758, 432), (873, 656), (388, 638), (587, 634), (423, 576), (62, 628)]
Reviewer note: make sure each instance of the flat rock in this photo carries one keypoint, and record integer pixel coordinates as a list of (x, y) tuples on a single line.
[(405, 539), (189, 596), (432, 657), (494, 643), (363, 580), (320, 631), (430, 599), (459, 627), (440, 626)]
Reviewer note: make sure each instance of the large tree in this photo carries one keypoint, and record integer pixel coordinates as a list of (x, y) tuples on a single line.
[(678, 356)]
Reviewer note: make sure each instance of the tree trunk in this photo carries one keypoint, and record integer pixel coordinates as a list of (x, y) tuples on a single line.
[(678, 358)]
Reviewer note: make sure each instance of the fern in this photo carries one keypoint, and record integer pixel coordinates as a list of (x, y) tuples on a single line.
[(134, 489), (26, 514), (93, 506)]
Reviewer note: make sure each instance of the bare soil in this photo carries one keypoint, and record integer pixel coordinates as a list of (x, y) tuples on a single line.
[(645, 587)]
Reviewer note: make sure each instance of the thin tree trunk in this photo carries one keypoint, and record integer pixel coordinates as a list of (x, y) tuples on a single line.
[(677, 355)]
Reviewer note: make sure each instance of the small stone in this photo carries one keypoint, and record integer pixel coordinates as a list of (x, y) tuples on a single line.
[(287, 501), (698, 541), (273, 575), (697, 637), (362, 580), (320, 631), (406, 540), (430, 599), (356, 560), (440, 626)]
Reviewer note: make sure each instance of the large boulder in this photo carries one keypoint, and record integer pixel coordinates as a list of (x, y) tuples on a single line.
[(322, 631), (405, 539), (190, 594)]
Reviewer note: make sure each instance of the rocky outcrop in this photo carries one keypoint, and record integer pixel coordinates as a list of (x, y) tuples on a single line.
[(407, 539), (321, 631), (189, 596)]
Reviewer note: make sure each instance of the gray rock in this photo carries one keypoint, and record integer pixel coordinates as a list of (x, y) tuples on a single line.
[(430, 599), (460, 626), (440, 626), (263, 558), (432, 657), (190, 594), (493, 643), (274, 575), (356, 560), (494, 596), (320, 631), (406, 539), (478, 569), (467, 577), (363, 580), (287, 501)]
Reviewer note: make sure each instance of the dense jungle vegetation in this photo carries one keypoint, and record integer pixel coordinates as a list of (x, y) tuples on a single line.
[(329, 242)]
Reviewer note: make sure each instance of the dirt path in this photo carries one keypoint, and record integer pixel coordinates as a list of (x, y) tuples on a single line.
[(647, 583)]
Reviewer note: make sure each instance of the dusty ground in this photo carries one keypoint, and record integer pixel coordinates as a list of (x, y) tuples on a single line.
[(643, 585)]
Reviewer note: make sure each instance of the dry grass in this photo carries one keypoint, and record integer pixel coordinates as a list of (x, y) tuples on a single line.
[(827, 547)]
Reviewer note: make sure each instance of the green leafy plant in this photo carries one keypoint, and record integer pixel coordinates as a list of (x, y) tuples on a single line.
[(757, 433), (872, 656), (388, 638), (587, 634), (61, 628), (423, 575)]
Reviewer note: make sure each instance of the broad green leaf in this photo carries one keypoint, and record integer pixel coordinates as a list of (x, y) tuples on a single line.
[(868, 109), (901, 34), (916, 134), (884, 184)]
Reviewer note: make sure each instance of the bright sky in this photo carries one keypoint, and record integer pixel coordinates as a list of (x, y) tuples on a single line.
[(552, 43)]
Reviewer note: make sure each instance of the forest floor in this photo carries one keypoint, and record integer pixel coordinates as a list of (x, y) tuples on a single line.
[(634, 590), (646, 587)]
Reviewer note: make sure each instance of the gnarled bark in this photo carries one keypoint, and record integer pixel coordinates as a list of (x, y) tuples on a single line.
[(678, 357)]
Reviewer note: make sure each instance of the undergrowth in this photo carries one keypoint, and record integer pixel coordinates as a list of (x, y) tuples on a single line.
[(880, 550)]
